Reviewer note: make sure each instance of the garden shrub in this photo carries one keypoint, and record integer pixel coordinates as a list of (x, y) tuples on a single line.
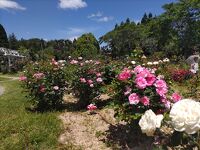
[(139, 89), (87, 81), (46, 83)]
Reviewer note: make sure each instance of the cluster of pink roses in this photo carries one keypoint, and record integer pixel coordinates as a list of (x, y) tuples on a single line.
[(39, 75), (91, 82), (135, 99), (145, 78)]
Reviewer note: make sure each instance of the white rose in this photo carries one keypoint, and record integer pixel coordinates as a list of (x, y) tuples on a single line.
[(80, 58), (149, 63), (133, 62), (149, 122), (143, 57), (155, 62), (185, 116), (166, 60)]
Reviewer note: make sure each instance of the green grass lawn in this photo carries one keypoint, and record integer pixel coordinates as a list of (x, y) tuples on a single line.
[(21, 129)]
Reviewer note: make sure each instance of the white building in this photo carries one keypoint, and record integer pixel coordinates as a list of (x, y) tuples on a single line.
[(8, 59)]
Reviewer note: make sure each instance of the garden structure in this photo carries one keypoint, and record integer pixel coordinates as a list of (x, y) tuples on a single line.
[(9, 59)]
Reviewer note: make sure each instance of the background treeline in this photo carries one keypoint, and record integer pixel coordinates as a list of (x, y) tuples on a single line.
[(176, 32)]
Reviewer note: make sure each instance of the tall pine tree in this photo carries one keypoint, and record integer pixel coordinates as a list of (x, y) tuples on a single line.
[(13, 42), (3, 38)]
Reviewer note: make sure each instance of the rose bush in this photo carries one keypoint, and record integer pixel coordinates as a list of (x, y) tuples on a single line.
[(45, 83), (87, 81), (138, 89)]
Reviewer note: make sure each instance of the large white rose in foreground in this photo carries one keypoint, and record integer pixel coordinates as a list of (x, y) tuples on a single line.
[(149, 122), (185, 116)]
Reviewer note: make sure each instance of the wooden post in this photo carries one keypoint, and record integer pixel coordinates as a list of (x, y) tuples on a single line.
[(9, 64)]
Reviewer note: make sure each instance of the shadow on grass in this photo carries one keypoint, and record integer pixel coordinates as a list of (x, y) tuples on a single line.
[(125, 137)]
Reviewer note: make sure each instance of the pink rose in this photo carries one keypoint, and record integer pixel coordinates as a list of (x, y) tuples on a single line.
[(73, 62), (165, 102), (91, 85), (56, 88), (145, 101), (54, 62), (128, 91), (176, 97), (143, 73), (151, 78), (81, 64), (22, 78), (91, 107), (83, 80), (97, 62), (141, 82), (160, 84), (42, 88), (134, 99), (89, 81), (124, 75), (98, 74), (138, 69), (38, 75), (161, 91), (99, 80)]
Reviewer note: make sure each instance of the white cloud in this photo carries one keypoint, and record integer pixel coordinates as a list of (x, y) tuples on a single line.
[(105, 19), (72, 4), (75, 32), (98, 14), (10, 4), (99, 17)]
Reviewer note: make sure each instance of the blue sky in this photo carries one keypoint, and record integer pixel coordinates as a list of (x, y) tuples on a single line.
[(67, 19)]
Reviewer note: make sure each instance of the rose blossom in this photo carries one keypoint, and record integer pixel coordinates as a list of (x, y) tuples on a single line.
[(160, 84), (176, 97), (162, 91), (145, 101), (80, 58), (22, 78), (74, 62), (149, 122), (151, 78), (128, 91), (89, 81), (141, 82), (138, 69), (185, 116), (56, 88), (38, 75), (99, 80), (98, 74), (144, 73), (91, 85), (83, 80), (91, 107), (133, 62), (134, 99), (42, 88), (124, 75)]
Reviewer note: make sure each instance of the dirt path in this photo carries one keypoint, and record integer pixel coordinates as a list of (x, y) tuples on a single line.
[(99, 131)]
